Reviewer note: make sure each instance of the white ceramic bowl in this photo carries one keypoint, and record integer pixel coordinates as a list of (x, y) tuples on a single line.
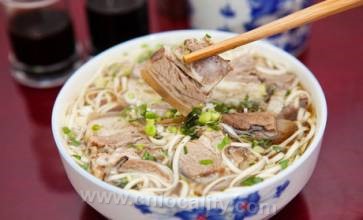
[(255, 202)]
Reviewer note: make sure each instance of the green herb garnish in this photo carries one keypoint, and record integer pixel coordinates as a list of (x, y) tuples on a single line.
[(71, 136), (185, 150), (141, 110), (251, 181), (96, 127), (276, 148), (209, 117), (150, 128), (206, 162), (123, 182), (196, 118), (66, 130), (171, 113), (264, 143), (84, 166), (287, 93), (150, 115), (221, 107), (284, 163), (190, 123), (148, 156), (250, 105), (225, 141), (77, 157), (172, 129), (139, 147)]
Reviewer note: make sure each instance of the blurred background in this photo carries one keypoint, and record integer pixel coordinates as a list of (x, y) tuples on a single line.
[(42, 42)]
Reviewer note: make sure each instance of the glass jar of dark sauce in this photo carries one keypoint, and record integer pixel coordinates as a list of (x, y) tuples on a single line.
[(114, 21), (42, 40)]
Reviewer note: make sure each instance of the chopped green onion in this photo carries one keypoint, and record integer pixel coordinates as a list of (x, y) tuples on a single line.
[(264, 143), (259, 149), (284, 163), (277, 148), (71, 136), (205, 117), (77, 157), (170, 113), (172, 129), (221, 107), (190, 123), (123, 182), (250, 105), (287, 93), (206, 162), (215, 116), (207, 35), (141, 110), (85, 166), (148, 156), (185, 150), (66, 130), (96, 127), (150, 115), (150, 128), (164, 152), (225, 141), (208, 117), (139, 146), (74, 142), (251, 181)]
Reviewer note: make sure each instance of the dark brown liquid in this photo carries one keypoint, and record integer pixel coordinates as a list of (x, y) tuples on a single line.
[(41, 37), (111, 22)]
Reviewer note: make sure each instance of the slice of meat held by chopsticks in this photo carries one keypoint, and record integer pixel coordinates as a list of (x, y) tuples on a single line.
[(184, 86)]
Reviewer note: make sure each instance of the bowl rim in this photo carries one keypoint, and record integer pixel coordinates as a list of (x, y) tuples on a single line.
[(132, 195)]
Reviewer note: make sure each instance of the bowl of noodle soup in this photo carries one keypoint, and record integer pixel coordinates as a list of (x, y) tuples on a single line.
[(164, 176)]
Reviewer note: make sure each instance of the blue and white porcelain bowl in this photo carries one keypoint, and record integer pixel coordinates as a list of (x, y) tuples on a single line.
[(244, 15), (255, 202)]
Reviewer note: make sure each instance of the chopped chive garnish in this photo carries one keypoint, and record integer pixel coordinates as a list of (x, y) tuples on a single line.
[(251, 181), (75, 142), (96, 127), (276, 148), (84, 166), (77, 157), (66, 130), (206, 162), (287, 93), (284, 163), (225, 141), (172, 129), (123, 182), (148, 156), (170, 113), (185, 150), (150, 128), (139, 146), (71, 136), (150, 115)]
